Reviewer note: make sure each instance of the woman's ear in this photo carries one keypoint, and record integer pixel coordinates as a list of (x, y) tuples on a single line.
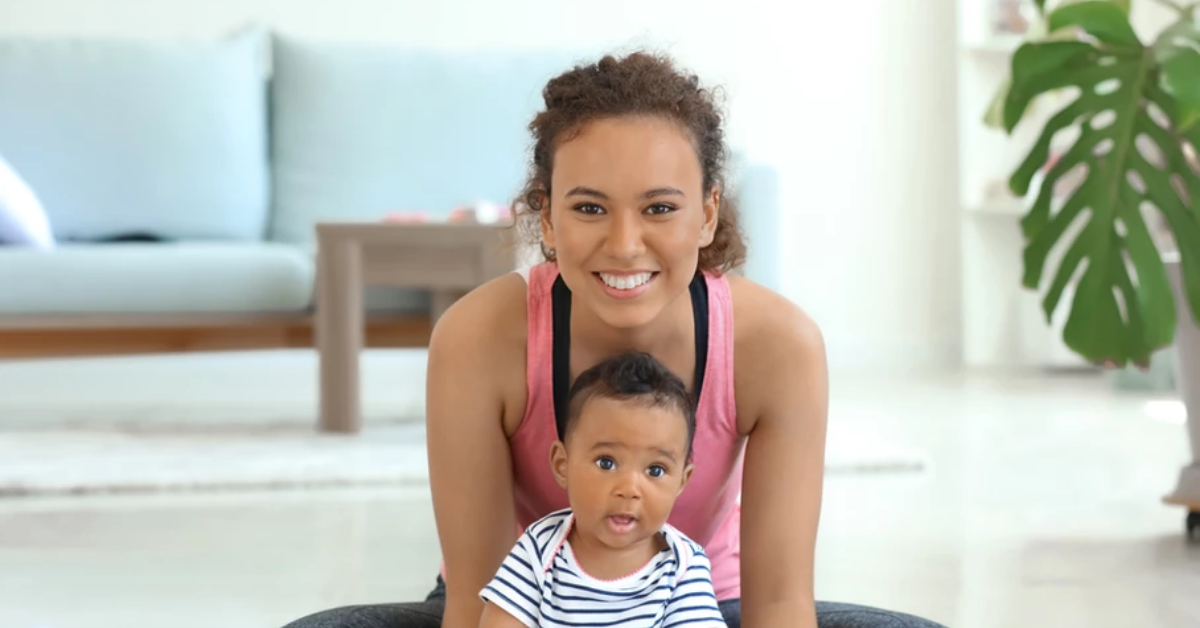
[(558, 462), (712, 211), (547, 225)]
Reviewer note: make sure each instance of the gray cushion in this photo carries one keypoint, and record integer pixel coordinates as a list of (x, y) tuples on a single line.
[(129, 135), (155, 279)]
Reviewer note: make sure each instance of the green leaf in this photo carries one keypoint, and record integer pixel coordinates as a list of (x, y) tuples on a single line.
[(1176, 51), (993, 118), (1181, 33), (1041, 5), (1040, 67), (1123, 308), (1123, 5), (1181, 216), (1181, 79), (1101, 19)]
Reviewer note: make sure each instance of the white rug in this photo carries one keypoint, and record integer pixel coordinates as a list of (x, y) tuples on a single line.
[(242, 421)]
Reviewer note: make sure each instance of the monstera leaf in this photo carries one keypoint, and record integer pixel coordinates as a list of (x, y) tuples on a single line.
[(1134, 120), (994, 116)]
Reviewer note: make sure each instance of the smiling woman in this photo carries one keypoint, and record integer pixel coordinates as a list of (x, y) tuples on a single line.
[(625, 195)]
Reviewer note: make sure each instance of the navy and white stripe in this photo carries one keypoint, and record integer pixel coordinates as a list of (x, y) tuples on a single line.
[(541, 584)]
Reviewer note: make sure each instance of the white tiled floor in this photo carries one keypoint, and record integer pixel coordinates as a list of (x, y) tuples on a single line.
[(1040, 508)]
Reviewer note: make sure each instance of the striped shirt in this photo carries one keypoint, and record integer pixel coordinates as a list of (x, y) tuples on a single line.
[(542, 585)]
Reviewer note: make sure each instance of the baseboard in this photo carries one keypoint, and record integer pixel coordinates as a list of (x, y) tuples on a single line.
[(160, 335)]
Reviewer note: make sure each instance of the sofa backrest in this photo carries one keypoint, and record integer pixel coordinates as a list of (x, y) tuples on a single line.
[(359, 130), (119, 136)]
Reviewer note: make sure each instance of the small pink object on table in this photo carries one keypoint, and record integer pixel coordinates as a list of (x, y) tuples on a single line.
[(406, 216)]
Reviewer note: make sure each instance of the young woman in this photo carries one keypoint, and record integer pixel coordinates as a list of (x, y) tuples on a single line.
[(625, 197)]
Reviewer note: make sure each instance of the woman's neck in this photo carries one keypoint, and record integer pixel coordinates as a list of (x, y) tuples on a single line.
[(663, 336)]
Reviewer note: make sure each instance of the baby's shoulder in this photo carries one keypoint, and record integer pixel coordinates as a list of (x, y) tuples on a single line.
[(542, 538), (556, 521), (687, 551)]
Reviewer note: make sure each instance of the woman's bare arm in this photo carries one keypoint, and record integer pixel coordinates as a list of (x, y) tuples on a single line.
[(496, 617), (471, 354), (783, 380)]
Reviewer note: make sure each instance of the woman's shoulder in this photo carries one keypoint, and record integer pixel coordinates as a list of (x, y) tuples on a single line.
[(776, 343), (486, 326), (763, 316)]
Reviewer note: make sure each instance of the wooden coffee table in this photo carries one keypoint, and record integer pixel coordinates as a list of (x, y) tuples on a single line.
[(449, 259)]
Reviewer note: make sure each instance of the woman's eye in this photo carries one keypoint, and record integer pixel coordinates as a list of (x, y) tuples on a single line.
[(656, 471), (660, 209), (589, 208), (607, 464)]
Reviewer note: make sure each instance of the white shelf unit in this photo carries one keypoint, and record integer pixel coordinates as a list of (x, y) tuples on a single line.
[(1003, 323)]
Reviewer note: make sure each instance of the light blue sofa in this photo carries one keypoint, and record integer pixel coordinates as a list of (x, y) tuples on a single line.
[(231, 150)]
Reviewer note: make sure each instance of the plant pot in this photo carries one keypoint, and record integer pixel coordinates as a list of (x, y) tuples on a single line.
[(1187, 381), (1160, 377)]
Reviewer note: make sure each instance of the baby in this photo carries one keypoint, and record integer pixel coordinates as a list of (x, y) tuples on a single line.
[(611, 559)]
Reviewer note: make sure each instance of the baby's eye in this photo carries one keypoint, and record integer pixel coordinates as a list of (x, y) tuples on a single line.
[(607, 464), (656, 471), (590, 209), (660, 209)]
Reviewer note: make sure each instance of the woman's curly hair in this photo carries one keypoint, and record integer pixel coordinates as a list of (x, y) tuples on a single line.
[(639, 84)]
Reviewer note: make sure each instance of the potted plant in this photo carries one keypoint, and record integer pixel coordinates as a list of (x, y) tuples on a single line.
[(1132, 115)]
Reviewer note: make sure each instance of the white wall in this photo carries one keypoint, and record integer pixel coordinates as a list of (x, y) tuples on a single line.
[(872, 235), (852, 101)]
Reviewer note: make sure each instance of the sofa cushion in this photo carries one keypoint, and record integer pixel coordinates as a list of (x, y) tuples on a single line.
[(757, 187), (185, 278), (130, 135), (362, 129)]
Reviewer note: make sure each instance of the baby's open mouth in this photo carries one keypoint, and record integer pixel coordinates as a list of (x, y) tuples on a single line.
[(622, 524)]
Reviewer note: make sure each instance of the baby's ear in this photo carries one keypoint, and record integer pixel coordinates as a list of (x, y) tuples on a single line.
[(687, 475), (558, 462)]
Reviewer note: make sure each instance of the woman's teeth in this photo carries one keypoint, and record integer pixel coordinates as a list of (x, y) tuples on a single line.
[(625, 282)]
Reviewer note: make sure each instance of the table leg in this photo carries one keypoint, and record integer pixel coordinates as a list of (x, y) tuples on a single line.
[(340, 335)]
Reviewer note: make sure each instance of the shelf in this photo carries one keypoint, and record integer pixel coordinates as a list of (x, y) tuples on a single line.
[(1002, 322), (995, 45)]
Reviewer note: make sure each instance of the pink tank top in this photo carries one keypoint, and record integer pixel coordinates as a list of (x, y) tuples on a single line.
[(708, 510)]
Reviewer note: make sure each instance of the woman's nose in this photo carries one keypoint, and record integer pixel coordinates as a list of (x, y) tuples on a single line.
[(624, 238)]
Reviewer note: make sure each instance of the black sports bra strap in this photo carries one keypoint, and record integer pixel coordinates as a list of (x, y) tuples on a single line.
[(560, 304), (699, 291)]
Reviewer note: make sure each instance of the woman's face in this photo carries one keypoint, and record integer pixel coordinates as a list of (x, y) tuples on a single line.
[(628, 216)]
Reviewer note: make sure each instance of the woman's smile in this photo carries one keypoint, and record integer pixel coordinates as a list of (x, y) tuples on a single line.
[(625, 285)]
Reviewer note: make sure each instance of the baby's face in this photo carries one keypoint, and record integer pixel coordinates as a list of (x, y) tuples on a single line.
[(623, 466)]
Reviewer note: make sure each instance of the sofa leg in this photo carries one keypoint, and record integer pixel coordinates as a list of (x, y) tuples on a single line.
[(340, 335)]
